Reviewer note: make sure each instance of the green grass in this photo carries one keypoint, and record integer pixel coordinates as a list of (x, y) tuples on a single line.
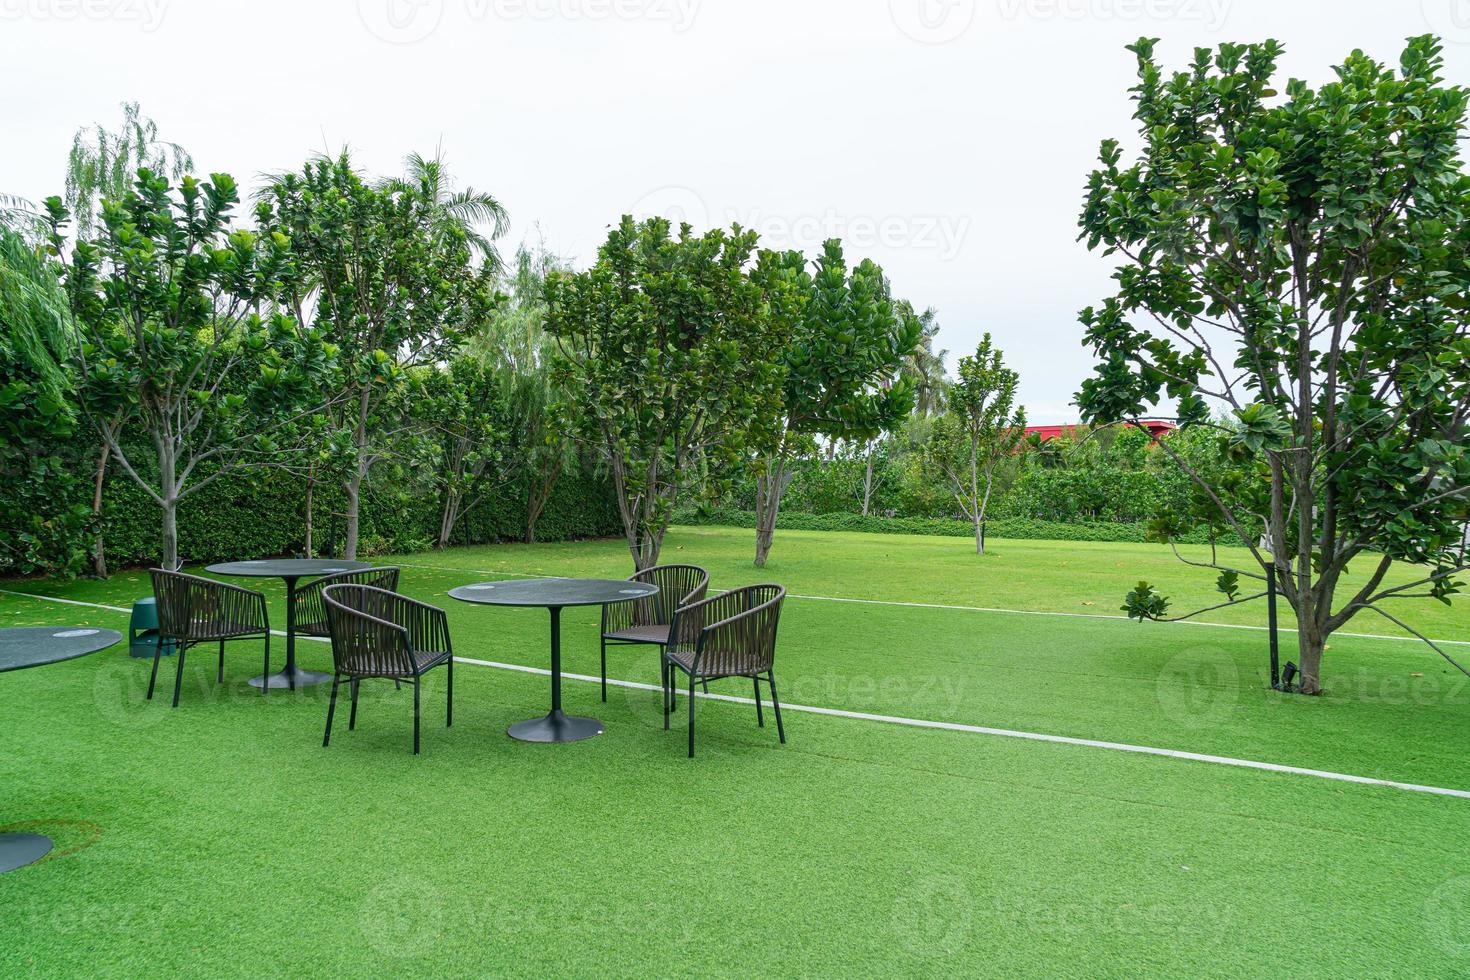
[(221, 838)]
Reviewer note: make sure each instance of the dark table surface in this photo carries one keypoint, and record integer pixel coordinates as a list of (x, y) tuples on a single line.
[(35, 646), (286, 567), (554, 592)]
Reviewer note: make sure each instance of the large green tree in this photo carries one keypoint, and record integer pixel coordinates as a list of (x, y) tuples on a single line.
[(843, 347), (391, 284), (178, 373), (980, 428), (667, 341), (1298, 255)]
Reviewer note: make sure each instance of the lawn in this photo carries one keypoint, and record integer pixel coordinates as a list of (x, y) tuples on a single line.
[(221, 838)]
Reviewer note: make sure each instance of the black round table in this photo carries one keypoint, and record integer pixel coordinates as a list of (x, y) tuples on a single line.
[(292, 570), (36, 646), (555, 594)]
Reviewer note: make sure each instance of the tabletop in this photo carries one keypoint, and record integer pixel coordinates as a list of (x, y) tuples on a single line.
[(35, 646), (286, 567), (555, 592)]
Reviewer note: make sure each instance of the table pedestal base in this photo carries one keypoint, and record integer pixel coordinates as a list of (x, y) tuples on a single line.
[(292, 677), (19, 850), (555, 727)]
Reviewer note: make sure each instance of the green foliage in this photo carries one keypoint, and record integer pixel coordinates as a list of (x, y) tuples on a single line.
[(40, 529), (104, 163), (171, 347), (1302, 261), (1144, 603), (667, 342)]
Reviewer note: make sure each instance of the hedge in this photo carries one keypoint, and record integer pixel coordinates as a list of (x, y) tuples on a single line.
[(1014, 528), (264, 515)]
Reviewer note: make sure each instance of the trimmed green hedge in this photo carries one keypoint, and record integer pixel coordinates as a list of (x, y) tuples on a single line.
[(1015, 528), (264, 514)]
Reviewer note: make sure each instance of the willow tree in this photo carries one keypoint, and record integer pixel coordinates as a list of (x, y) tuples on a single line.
[(667, 343), (1300, 260), (843, 348)]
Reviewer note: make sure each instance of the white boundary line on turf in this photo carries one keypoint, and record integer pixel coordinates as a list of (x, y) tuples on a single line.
[(947, 726), (985, 609)]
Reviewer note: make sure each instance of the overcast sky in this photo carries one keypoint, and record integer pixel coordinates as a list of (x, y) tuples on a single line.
[(947, 139)]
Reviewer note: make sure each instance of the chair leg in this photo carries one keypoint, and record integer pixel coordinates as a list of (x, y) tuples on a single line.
[(691, 716), (759, 718), (663, 688), (331, 710), (449, 695), (415, 716), (153, 677), (777, 705), (221, 678), (604, 669), (179, 674), (352, 718)]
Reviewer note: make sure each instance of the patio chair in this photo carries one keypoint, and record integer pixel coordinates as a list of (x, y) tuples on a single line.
[(194, 610), (648, 621), (311, 613), (729, 635), (377, 633)]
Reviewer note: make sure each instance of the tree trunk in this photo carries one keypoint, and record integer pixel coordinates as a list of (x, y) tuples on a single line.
[(769, 489), (976, 511), (449, 516), (354, 496), (306, 545), (99, 553), (1310, 644), (170, 558), (868, 483)]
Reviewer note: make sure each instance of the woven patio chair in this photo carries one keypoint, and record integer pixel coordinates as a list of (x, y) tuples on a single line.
[(311, 613), (377, 633), (194, 610), (648, 621), (729, 635)]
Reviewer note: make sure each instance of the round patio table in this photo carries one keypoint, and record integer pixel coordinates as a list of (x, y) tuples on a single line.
[(291, 570), (555, 594), (36, 646)]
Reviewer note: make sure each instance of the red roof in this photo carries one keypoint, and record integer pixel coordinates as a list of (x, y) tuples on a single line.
[(1156, 429)]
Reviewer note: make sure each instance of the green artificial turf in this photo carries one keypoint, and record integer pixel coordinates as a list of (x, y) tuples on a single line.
[(222, 839)]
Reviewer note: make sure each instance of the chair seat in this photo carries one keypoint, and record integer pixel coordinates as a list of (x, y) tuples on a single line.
[(737, 665), (425, 659), (658, 633), (222, 630)]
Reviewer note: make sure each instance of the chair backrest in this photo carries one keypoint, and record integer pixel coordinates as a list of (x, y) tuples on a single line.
[(191, 607), (366, 638), (678, 585), (738, 630), (309, 609)]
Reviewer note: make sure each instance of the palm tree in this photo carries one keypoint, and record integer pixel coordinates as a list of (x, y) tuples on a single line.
[(465, 210), (925, 367)]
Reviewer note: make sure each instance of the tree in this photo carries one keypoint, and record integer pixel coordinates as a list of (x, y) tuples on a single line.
[(466, 407), (667, 343), (1299, 261), (171, 347), (843, 347), (41, 528), (102, 166), (981, 427), (453, 212), (390, 284), (925, 366), (104, 163)]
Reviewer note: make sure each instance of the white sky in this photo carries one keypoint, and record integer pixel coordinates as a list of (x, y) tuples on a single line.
[(947, 139)]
